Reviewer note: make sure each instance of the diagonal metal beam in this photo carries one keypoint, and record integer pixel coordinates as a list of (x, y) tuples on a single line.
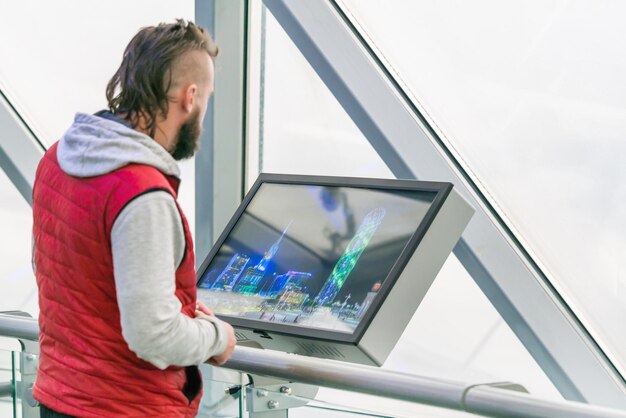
[(488, 250), (20, 150)]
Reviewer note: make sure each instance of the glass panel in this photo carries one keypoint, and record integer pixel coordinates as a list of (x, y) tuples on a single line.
[(325, 411), (531, 96), (304, 129), (63, 64), (9, 375), (17, 281), (224, 397), (456, 333), (16, 380), (17, 375), (304, 406), (351, 404)]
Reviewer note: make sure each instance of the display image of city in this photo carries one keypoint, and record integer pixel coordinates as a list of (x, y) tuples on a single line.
[(265, 273)]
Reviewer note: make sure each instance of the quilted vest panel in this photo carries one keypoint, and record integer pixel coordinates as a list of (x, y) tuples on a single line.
[(86, 368)]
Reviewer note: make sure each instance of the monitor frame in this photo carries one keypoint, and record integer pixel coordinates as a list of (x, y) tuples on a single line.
[(441, 190)]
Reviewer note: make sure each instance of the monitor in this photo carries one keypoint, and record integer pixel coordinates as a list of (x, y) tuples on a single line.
[(330, 267)]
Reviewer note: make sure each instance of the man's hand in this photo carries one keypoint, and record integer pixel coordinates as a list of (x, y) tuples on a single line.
[(223, 358), (203, 310), (201, 307)]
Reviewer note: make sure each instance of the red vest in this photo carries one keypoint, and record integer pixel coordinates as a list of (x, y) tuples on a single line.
[(85, 367)]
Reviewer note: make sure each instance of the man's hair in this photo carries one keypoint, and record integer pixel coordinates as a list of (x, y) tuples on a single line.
[(140, 86)]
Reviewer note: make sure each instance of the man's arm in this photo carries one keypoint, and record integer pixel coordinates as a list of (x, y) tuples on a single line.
[(148, 244)]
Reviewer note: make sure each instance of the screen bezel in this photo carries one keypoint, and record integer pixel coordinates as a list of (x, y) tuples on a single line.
[(442, 190)]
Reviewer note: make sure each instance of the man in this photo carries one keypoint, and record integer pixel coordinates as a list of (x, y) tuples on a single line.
[(121, 330)]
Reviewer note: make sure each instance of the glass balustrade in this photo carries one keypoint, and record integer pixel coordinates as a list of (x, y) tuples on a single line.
[(229, 394), (9, 376)]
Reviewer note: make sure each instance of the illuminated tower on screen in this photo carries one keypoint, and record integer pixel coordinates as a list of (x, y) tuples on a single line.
[(269, 254), (253, 275), (351, 255)]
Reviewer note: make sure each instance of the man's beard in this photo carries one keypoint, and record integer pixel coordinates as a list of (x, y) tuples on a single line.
[(188, 138)]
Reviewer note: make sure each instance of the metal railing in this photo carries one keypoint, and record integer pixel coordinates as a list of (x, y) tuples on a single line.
[(485, 399), (6, 389)]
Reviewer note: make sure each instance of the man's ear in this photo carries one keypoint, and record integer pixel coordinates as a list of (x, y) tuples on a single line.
[(189, 97)]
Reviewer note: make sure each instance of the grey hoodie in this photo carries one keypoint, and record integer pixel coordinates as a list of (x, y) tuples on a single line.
[(148, 244)]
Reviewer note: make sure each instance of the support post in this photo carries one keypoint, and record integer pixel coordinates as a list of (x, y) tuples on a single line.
[(220, 160)]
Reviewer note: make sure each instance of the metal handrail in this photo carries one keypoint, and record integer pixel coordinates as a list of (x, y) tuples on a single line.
[(20, 327), (481, 399), (6, 389)]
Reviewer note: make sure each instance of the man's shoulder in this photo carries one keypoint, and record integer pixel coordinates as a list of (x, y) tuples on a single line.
[(131, 182), (139, 176), (138, 169)]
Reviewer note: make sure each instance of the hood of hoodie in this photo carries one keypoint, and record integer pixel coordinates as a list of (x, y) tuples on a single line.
[(96, 145)]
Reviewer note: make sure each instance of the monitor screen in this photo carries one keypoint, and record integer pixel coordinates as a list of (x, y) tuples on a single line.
[(311, 256)]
